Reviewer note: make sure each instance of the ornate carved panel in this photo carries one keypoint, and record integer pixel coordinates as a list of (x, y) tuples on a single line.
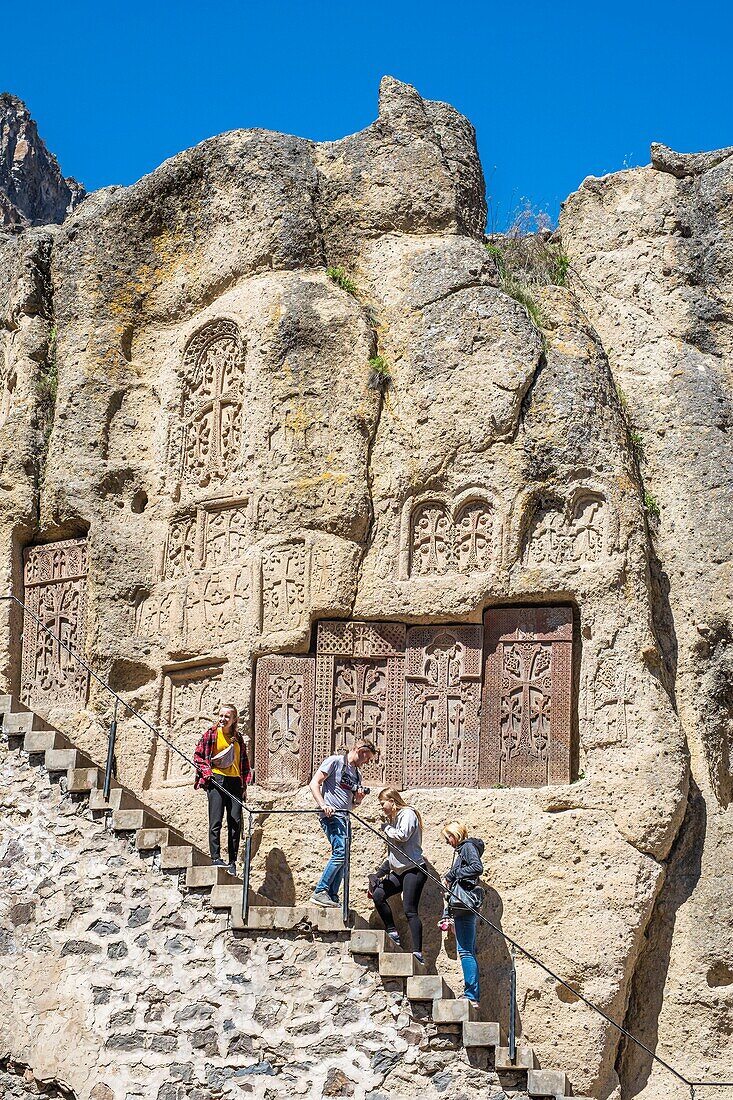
[(442, 694), (285, 586), (526, 713), (359, 693), (55, 590), (284, 721), (574, 532), (215, 534), (189, 704), (442, 534), (216, 606), (206, 447)]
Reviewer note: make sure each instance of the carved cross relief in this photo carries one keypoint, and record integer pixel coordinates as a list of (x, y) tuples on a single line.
[(526, 713), (211, 404), (189, 704), (359, 693), (445, 539), (55, 590), (443, 669), (284, 721), (574, 533)]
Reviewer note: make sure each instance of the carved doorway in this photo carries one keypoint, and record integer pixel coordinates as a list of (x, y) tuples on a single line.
[(526, 713), (55, 577)]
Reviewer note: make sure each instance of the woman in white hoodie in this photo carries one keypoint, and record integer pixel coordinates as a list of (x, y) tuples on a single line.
[(402, 872)]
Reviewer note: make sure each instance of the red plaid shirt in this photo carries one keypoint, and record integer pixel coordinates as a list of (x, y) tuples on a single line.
[(205, 750)]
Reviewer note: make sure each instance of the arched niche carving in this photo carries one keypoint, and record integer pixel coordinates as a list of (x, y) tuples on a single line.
[(443, 533), (207, 444), (573, 529)]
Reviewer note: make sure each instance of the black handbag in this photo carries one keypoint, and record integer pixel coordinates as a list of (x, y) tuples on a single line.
[(465, 899)]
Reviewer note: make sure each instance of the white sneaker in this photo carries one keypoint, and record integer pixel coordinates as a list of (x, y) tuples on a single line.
[(325, 900)]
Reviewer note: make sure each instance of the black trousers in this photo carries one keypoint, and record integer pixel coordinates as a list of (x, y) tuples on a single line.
[(218, 802), (410, 884)]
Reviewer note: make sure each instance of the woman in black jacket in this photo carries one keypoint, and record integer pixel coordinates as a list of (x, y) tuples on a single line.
[(465, 871)]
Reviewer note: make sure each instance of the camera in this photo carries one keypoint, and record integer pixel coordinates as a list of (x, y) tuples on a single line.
[(348, 784)]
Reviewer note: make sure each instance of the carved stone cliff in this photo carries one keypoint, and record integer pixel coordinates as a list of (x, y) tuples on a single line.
[(381, 501)]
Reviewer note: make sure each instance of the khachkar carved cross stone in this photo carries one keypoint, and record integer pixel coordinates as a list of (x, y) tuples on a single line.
[(360, 693), (285, 586), (284, 688), (55, 590), (209, 446), (445, 539), (526, 714), (442, 674)]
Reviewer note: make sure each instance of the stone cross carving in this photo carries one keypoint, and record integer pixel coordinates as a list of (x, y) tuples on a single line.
[(526, 713), (442, 534), (285, 586), (55, 590), (574, 533), (442, 672), (209, 447), (360, 692), (284, 721)]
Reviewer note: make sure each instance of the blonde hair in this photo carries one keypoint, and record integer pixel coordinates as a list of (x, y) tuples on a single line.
[(394, 796), (455, 830), (230, 706)]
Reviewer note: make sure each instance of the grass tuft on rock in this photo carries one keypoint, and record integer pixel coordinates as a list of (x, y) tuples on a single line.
[(340, 278)]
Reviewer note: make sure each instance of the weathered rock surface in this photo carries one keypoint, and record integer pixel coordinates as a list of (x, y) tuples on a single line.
[(652, 263), (32, 189), (219, 438)]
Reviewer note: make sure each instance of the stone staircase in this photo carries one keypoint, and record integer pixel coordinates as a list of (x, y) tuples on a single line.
[(430, 996)]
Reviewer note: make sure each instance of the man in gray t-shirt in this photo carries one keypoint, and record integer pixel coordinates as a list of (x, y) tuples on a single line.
[(337, 787)]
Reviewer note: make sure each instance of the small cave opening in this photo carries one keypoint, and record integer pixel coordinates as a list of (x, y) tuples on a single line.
[(719, 974), (139, 502), (127, 675)]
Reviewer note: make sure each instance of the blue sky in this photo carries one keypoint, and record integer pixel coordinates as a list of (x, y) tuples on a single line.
[(556, 91)]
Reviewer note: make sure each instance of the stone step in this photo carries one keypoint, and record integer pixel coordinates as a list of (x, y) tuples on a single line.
[(177, 857), (148, 839), (286, 917), (22, 722), (84, 779), (399, 964), (202, 877), (6, 705), (428, 987), (125, 821), (371, 941), (524, 1060), (227, 896), (477, 1033), (453, 1012), (62, 760), (43, 739), (119, 799), (547, 1082)]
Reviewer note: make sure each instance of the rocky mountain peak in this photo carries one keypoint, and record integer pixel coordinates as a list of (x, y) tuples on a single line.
[(32, 188)]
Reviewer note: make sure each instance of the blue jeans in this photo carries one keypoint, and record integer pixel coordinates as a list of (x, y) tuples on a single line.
[(465, 926), (336, 829)]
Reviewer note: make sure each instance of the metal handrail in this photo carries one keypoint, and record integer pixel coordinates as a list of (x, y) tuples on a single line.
[(251, 811)]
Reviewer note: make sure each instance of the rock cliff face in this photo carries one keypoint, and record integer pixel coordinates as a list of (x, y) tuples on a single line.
[(292, 445), (32, 189), (652, 255)]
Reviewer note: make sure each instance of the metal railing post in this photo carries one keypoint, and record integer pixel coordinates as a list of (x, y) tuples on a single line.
[(347, 871), (110, 754), (513, 1010), (247, 869)]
